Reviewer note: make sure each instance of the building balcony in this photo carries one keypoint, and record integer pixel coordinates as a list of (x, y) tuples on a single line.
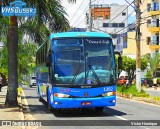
[(154, 26), (155, 44), (154, 29), (154, 10)]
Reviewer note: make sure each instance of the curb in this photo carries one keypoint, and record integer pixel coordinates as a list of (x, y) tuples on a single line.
[(25, 107), (20, 104), (135, 100)]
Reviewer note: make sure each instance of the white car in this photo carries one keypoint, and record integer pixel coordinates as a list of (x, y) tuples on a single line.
[(33, 81)]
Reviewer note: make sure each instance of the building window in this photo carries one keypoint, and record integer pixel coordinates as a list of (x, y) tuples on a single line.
[(124, 44), (125, 38), (114, 24), (148, 41), (99, 18), (148, 7), (105, 25), (121, 24), (107, 17), (123, 14), (155, 6), (149, 23)]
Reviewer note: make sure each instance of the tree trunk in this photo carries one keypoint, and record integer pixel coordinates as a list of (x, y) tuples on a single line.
[(12, 40)]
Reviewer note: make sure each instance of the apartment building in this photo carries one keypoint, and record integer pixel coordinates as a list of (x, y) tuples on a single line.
[(150, 28)]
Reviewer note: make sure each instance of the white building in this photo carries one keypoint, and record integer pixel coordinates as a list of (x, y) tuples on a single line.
[(109, 18)]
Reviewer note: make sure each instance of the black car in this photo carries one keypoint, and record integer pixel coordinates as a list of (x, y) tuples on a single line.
[(147, 82)]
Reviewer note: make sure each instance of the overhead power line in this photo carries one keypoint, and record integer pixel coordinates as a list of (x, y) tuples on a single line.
[(82, 14), (77, 10), (120, 12)]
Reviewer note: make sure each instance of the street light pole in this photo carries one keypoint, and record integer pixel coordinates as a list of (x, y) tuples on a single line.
[(138, 50)]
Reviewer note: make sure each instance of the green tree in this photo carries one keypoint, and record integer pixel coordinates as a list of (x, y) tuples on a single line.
[(154, 62), (26, 55), (129, 65), (47, 11)]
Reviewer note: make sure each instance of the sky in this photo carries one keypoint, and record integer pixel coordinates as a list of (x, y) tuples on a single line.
[(77, 18)]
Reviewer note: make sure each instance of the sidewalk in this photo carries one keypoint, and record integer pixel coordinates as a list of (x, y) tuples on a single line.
[(9, 113), (152, 92)]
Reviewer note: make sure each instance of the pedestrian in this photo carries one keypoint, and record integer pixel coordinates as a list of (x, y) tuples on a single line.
[(155, 83), (0, 82), (127, 83)]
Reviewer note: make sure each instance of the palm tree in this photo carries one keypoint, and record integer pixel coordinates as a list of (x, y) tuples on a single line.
[(154, 63), (48, 12)]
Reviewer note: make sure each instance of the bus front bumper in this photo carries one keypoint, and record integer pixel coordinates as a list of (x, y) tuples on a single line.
[(84, 102)]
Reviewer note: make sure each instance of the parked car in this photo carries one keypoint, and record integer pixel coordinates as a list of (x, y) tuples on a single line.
[(33, 81), (147, 82), (144, 81)]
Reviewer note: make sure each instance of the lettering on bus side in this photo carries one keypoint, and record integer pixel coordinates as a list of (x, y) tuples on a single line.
[(64, 90), (109, 89)]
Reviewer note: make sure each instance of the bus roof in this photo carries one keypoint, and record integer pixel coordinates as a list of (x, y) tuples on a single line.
[(79, 34)]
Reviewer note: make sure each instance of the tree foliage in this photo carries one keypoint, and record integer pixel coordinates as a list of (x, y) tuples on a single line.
[(26, 56), (129, 65), (154, 62)]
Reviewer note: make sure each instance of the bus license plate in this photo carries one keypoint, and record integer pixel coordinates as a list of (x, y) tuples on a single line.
[(85, 103)]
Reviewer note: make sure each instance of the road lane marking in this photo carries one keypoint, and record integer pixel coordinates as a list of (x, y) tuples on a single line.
[(120, 117), (25, 101)]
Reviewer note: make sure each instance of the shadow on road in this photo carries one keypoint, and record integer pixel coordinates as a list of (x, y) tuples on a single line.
[(30, 97), (88, 113)]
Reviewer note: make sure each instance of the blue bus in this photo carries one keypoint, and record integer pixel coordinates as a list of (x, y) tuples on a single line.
[(77, 70)]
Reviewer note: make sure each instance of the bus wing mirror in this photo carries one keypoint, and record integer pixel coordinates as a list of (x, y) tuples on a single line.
[(119, 59), (48, 58), (119, 62)]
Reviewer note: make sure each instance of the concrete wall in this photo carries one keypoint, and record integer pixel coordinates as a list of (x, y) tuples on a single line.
[(131, 45)]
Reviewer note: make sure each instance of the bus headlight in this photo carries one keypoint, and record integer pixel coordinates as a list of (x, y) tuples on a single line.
[(109, 94), (61, 95)]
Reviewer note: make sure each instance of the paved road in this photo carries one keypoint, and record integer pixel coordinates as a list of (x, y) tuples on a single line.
[(124, 110)]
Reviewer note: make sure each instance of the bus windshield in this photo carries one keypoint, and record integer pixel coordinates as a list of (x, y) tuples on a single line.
[(83, 61)]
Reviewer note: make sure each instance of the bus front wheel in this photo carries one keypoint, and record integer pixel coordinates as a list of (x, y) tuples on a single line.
[(50, 108), (99, 109)]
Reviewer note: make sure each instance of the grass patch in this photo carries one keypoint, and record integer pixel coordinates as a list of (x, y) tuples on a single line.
[(19, 89), (156, 98), (25, 83), (140, 96), (131, 90)]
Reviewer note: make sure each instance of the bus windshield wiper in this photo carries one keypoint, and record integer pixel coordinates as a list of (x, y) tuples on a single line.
[(95, 75), (76, 73)]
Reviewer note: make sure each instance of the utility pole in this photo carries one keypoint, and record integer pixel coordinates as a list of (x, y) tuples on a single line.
[(138, 50), (90, 16)]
